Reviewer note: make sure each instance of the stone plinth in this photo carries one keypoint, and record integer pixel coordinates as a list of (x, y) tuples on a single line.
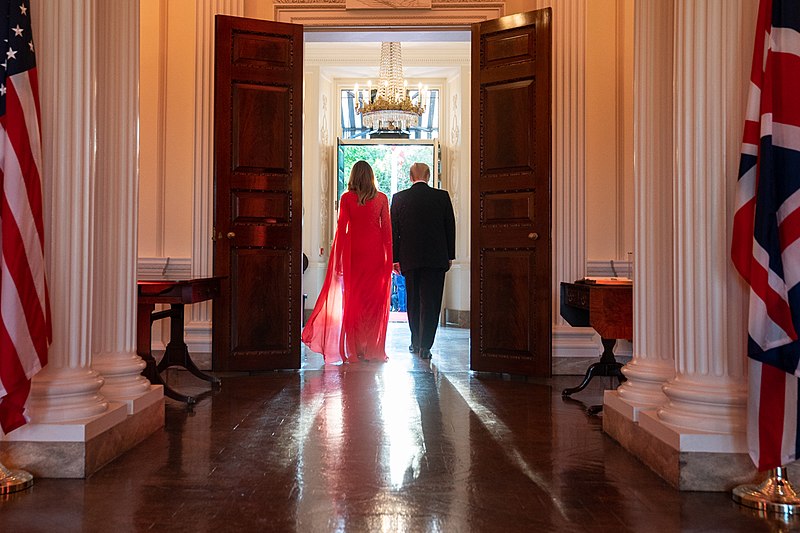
[(679, 458), (77, 449)]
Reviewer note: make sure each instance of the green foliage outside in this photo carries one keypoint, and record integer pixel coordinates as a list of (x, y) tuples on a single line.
[(385, 159)]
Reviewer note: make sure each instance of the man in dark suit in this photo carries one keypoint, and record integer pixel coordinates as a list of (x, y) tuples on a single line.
[(424, 246)]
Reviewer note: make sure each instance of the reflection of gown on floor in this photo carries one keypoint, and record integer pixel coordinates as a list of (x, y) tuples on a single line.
[(352, 311)]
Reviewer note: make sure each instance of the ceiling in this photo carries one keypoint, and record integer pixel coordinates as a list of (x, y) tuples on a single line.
[(360, 59)]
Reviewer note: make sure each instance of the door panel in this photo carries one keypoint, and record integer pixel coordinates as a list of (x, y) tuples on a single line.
[(258, 135), (261, 128), (259, 322), (509, 108), (511, 246)]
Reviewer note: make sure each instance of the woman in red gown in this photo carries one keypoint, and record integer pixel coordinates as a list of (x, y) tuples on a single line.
[(349, 320)]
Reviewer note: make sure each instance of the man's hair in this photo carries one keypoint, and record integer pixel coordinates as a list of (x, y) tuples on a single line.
[(362, 182), (420, 171)]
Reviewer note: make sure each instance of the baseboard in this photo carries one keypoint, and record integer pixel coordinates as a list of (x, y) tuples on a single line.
[(456, 318)]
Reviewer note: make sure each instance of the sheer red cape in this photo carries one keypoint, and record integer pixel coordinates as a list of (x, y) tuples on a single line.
[(350, 317)]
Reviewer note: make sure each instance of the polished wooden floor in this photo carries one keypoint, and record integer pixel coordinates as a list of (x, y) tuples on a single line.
[(408, 445)]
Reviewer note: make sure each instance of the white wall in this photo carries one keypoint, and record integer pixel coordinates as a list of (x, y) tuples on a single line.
[(456, 155), (319, 140), (609, 130), (166, 156)]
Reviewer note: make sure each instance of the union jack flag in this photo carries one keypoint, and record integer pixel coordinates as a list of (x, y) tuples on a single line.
[(24, 309), (766, 234)]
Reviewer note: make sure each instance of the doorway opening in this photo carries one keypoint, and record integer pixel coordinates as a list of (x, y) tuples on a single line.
[(391, 162), (336, 63)]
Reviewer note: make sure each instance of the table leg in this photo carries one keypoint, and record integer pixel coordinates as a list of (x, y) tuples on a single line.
[(177, 353), (144, 339), (607, 366)]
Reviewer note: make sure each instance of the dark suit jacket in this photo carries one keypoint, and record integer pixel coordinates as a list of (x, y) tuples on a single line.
[(423, 228)]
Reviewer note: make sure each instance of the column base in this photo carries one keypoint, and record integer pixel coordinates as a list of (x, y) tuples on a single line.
[(139, 404), (78, 449), (622, 406), (686, 459)]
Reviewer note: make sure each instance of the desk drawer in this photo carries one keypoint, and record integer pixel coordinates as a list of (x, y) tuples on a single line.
[(577, 296)]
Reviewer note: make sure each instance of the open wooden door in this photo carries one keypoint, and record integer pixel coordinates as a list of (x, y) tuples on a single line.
[(510, 192), (258, 200)]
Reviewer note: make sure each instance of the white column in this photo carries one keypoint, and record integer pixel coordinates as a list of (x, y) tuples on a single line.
[(68, 389), (198, 330), (708, 393), (114, 316), (652, 362), (569, 144), (569, 164)]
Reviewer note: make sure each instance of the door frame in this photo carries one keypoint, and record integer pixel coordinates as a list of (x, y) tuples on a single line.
[(393, 25), (335, 21)]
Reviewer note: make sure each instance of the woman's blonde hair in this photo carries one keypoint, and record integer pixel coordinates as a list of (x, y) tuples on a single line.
[(362, 182)]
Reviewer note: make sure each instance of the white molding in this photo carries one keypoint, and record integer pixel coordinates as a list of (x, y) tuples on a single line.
[(164, 268), (336, 15), (161, 128), (606, 268), (203, 193), (569, 143), (575, 342), (624, 177)]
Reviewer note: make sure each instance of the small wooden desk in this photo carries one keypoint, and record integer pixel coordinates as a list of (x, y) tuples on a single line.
[(609, 310), (176, 294)]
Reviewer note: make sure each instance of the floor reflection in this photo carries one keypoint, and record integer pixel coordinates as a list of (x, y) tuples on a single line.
[(402, 426), (407, 445)]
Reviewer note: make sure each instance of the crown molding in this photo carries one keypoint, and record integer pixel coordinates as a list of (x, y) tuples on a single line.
[(333, 13)]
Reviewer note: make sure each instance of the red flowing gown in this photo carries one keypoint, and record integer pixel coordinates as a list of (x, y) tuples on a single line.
[(350, 317)]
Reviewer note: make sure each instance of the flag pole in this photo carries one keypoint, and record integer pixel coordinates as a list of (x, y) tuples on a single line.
[(14, 480), (774, 495)]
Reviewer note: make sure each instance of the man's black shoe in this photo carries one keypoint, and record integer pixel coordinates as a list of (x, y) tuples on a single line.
[(413, 349), (425, 353)]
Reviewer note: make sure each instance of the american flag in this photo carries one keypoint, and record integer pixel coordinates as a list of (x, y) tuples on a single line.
[(766, 234), (24, 306)]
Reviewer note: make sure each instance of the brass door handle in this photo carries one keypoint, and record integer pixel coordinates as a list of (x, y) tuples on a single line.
[(231, 235), (533, 236)]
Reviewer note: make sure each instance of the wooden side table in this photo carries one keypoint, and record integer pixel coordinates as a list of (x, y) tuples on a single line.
[(176, 294), (609, 310)]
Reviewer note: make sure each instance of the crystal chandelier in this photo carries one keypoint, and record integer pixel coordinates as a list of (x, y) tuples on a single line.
[(390, 108)]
